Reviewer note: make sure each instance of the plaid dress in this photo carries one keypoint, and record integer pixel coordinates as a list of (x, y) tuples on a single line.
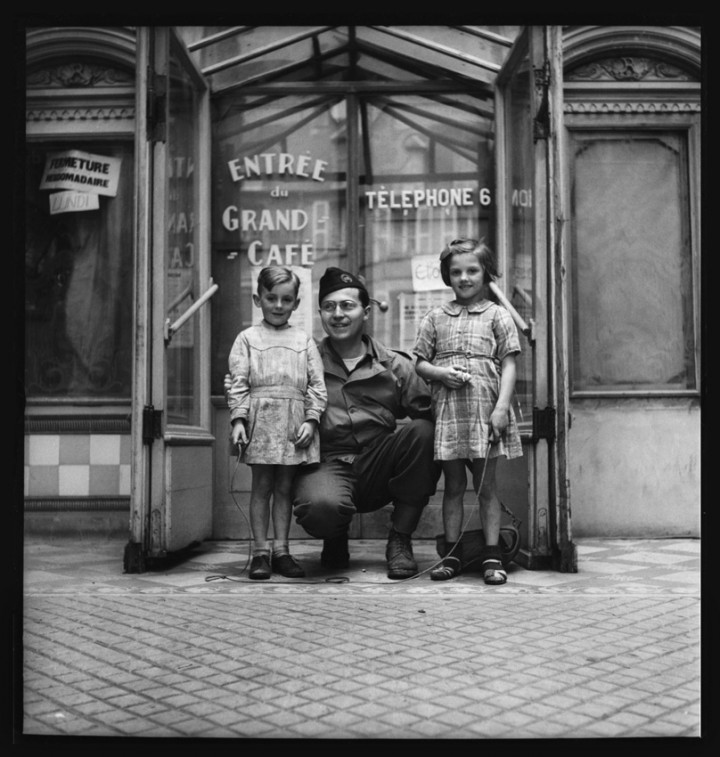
[(475, 339)]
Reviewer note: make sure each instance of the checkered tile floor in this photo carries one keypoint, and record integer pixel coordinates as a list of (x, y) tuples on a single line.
[(605, 566)]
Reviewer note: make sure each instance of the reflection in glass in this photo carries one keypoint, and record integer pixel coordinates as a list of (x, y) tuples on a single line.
[(78, 286), (182, 285), (428, 178), (518, 286), (279, 198)]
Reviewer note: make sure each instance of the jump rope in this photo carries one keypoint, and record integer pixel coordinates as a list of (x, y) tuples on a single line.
[(342, 579)]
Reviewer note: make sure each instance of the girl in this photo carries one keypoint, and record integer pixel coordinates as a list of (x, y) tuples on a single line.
[(276, 397), (466, 349)]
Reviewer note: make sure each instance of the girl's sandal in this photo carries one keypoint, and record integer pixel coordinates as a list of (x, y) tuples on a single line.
[(494, 572), (449, 568)]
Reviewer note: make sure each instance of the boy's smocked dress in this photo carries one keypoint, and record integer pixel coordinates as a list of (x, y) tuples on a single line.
[(475, 339), (277, 384)]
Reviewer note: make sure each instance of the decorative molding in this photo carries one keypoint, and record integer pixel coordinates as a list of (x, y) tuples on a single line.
[(85, 113), (644, 107), (676, 45), (79, 75), (80, 78), (627, 68), (47, 45)]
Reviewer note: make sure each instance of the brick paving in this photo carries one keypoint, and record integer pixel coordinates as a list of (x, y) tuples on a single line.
[(197, 650)]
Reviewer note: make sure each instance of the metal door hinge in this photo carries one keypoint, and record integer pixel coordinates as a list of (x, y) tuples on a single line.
[(544, 424), (541, 121), (542, 75), (152, 424), (156, 106)]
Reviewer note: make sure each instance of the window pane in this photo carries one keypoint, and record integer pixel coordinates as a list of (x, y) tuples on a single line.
[(279, 173), (427, 179), (78, 285), (182, 281), (632, 294), (520, 162)]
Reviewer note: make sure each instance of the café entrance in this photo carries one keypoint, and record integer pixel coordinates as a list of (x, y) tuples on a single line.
[(363, 147)]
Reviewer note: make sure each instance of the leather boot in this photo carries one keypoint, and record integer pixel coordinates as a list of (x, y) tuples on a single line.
[(399, 556), (335, 552)]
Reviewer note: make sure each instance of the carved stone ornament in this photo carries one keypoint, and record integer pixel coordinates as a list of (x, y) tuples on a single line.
[(627, 68), (636, 107), (79, 75), (85, 113)]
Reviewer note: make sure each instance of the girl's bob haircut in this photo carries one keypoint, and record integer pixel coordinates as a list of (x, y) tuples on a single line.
[(484, 254)]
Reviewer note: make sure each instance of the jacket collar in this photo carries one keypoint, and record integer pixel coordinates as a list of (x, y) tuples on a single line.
[(377, 351)]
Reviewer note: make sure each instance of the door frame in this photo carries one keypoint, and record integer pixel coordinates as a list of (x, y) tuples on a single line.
[(549, 539), (153, 439), (549, 544)]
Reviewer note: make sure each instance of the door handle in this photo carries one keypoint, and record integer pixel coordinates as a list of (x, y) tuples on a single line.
[(171, 328), (519, 322)]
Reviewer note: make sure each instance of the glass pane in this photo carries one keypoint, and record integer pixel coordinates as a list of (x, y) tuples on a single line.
[(182, 284), (520, 166), (428, 174), (78, 278), (631, 262), (279, 180), (237, 56)]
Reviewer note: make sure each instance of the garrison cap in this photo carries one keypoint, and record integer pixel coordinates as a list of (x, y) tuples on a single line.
[(335, 278)]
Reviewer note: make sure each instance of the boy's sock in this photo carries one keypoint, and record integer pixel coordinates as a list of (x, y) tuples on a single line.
[(261, 549), (280, 548)]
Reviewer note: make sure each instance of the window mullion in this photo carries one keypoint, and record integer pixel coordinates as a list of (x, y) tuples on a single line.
[(355, 257)]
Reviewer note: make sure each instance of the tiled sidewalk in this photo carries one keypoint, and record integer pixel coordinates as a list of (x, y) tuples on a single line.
[(199, 650)]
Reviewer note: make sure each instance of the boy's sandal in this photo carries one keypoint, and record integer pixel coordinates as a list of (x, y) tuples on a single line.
[(449, 568), (493, 572)]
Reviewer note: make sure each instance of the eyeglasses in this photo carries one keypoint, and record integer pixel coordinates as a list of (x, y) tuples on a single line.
[(347, 306)]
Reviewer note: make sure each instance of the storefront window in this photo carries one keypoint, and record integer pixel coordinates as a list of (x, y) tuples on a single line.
[(632, 272), (427, 178), (78, 270), (279, 198)]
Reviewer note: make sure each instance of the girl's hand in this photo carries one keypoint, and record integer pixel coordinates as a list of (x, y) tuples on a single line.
[(454, 377), (305, 434), (239, 433), (498, 423)]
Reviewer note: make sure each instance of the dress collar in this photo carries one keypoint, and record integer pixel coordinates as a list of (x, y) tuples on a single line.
[(455, 308), (272, 327)]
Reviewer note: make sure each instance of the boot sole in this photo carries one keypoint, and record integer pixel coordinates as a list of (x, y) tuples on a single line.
[(397, 574)]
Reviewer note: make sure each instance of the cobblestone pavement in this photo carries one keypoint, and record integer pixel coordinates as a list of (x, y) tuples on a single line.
[(198, 650)]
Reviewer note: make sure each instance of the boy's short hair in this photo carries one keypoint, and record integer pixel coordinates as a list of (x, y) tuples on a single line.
[(272, 275)]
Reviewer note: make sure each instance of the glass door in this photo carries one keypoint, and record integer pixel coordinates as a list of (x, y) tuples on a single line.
[(279, 182), (529, 96), (171, 498), (426, 177)]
